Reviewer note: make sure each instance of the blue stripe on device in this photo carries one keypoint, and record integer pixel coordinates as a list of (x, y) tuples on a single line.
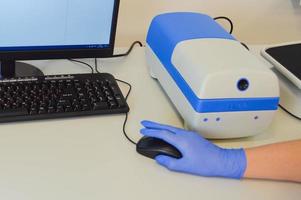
[(167, 30)]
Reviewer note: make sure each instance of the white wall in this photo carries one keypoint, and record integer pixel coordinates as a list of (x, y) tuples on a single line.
[(255, 21)]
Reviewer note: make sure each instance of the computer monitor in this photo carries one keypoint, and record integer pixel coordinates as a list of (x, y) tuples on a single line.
[(54, 29)]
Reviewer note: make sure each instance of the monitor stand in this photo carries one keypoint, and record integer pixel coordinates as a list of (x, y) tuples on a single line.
[(13, 69)]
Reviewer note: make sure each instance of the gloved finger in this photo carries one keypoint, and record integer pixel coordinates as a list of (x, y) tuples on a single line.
[(161, 134), (155, 125), (166, 161)]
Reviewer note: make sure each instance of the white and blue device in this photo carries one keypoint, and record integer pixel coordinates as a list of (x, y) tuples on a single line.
[(219, 88)]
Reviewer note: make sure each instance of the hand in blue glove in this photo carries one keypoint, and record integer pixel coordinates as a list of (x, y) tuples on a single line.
[(200, 156)]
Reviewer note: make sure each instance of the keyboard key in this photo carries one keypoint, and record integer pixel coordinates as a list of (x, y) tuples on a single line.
[(68, 108), (119, 100), (85, 107), (33, 111), (100, 105), (113, 104), (51, 109), (59, 109), (42, 110)]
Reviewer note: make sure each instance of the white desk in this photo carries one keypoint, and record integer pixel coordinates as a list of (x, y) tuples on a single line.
[(89, 158)]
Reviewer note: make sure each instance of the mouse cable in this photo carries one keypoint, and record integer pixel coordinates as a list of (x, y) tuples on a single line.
[(126, 98), (124, 82), (118, 80)]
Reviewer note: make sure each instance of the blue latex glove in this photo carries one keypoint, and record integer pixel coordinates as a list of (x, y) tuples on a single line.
[(200, 156)]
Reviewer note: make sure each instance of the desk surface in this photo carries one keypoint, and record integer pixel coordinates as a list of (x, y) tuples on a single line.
[(89, 158)]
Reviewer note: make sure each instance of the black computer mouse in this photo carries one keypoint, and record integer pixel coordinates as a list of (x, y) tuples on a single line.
[(152, 147)]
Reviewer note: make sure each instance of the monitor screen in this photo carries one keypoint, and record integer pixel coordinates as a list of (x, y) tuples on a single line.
[(46, 29), (55, 24)]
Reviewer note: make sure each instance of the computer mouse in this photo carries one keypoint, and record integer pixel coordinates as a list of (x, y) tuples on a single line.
[(152, 147)]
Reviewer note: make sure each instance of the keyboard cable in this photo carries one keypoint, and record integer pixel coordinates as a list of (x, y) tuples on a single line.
[(81, 62)]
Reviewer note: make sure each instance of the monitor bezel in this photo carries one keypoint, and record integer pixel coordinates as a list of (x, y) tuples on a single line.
[(67, 53)]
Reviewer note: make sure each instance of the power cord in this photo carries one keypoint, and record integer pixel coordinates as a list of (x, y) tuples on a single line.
[(231, 27), (113, 56), (227, 19), (288, 112), (118, 80), (243, 44), (129, 50)]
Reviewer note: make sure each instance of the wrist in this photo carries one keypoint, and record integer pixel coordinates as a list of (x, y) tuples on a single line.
[(234, 163)]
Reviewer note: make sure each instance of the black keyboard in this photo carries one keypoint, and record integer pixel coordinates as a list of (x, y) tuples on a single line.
[(46, 97)]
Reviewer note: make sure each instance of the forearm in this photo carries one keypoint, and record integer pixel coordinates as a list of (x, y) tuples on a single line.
[(281, 161)]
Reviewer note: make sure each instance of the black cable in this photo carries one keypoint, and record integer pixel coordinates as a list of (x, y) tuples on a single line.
[(119, 55), (124, 131), (288, 112), (126, 98), (128, 84), (227, 19), (92, 70), (127, 114), (243, 44), (129, 51), (124, 82), (231, 28), (96, 65)]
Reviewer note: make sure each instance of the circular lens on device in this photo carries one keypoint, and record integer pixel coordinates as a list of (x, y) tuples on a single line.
[(243, 84)]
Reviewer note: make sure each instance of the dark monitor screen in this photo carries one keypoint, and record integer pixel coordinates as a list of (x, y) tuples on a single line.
[(54, 29)]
